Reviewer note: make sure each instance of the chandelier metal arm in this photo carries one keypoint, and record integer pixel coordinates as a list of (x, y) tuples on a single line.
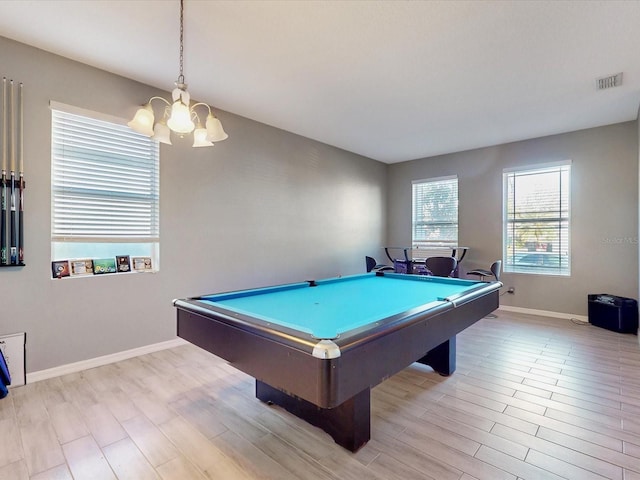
[(193, 107), (194, 113), (160, 98)]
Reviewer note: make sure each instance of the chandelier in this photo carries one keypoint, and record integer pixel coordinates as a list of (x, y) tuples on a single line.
[(179, 115)]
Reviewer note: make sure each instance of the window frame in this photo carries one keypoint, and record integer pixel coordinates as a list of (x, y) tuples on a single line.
[(440, 242), (539, 261), (135, 192)]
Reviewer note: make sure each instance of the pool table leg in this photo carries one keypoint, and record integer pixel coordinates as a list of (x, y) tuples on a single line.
[(442, 358), (349, 424)]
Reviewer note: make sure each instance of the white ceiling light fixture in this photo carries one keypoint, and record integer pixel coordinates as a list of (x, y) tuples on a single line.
[(179, 115)]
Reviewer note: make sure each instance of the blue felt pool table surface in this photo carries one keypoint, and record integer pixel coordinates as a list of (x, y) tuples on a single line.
[(335, 306)]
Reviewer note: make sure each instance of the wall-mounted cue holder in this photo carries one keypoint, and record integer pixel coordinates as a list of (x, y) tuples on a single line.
[(16, 183), (12, 244), (12, 182)]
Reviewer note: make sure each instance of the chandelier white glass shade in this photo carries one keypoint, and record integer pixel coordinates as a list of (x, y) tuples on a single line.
[(179, 115)]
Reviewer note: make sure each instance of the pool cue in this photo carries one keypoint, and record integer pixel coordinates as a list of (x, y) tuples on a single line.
[(3, 220), (21, 183), (13, 252)]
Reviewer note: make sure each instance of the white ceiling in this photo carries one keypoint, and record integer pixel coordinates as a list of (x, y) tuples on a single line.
[(393, 80)]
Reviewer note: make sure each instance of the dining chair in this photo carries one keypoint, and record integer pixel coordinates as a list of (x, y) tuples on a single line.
[(441, 266)]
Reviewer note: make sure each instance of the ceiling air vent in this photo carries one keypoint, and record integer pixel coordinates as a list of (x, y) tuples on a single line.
[(609, 81)]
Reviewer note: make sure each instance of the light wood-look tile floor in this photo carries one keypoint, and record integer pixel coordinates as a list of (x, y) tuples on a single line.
[(532, 398)]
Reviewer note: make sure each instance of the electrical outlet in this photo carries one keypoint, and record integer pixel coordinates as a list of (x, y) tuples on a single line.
[(511, 290)]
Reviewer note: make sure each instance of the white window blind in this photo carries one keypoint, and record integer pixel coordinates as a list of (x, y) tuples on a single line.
[(105, 182), (537, 221), (435, 212)]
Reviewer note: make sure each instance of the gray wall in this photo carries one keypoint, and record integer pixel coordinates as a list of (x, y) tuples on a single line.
[(263, 207), (604, 211)]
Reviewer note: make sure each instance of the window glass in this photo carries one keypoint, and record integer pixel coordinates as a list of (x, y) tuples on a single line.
[(435, 212), (537, 220)]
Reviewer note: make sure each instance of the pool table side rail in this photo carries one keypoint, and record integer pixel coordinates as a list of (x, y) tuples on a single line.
[(480, 289), (254, 291), (420, 278), (421, 313), (294, 338)]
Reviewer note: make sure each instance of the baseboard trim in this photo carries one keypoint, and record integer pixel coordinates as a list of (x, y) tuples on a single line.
[(100, 361), (544, 313)]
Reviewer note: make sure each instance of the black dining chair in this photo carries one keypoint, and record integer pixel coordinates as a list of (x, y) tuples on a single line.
[(494, 270), (373, 266), (441, 266)]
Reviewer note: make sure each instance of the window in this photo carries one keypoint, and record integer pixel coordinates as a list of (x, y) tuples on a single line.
[(435, 212), (104, 187), (536, 220)]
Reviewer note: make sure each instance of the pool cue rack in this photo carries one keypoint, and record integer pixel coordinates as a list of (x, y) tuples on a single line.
[(12, 184), (6, 183)]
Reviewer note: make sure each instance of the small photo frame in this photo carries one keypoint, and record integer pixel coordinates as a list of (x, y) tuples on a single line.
[(60, 268), (142, 264), (123, 264), (104, 265), (81, 267)]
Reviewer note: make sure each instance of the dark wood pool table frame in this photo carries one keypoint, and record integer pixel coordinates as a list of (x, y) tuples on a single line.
[(333, 392)]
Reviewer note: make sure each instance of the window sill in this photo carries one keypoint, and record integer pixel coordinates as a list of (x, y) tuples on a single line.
[(97, 275)]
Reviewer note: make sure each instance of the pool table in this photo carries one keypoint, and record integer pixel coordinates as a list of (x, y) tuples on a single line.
[(316, 348)]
